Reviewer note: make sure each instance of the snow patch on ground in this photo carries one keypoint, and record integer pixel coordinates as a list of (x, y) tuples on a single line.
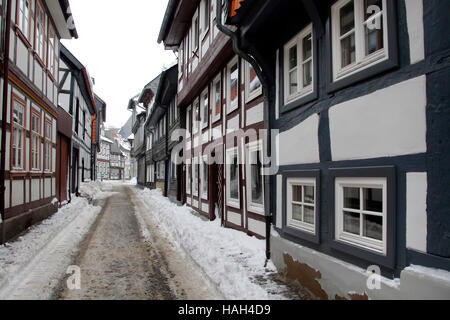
[(233, 260), (95, 190), (31, 266)]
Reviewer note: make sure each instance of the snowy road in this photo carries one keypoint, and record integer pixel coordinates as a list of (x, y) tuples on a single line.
[(126, 257), (129, 243)]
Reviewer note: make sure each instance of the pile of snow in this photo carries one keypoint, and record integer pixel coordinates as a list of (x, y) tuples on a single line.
[(32, 266), (132, 181), (232, 260), (95, 190)]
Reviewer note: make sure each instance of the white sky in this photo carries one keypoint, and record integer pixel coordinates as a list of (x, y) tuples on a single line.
[(118, 45)]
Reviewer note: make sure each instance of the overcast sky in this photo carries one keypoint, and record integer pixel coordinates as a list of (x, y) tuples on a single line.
[(118, 45)]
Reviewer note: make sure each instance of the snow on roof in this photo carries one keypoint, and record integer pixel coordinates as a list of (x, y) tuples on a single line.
[(105, 139)]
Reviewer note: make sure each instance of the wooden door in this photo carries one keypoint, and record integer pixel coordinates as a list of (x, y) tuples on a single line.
[(62, 167)]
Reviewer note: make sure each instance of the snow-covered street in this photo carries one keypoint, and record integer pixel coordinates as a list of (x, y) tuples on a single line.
[(130, 243)]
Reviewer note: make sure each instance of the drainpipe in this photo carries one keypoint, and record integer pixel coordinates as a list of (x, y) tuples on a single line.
[(6, 34), (236, 47)]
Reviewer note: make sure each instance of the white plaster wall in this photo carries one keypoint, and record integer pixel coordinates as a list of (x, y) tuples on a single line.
[(48, 185), (53, 187), (17, 193), (300, 144), (38, 78), (389, 122), (35, 192), (234, 218), (416, 211), (414, 19), (255, 114), (233, 124), (27, 191), (7, 191), (205, 207), (257, 227), (22, 57), (195, 203)]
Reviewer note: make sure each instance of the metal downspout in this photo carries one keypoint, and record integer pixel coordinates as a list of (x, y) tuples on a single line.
[(267, 140), (6, 38)]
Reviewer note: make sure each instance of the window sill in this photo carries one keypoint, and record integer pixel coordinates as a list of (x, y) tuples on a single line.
[(299, 102), (253, 96), (233, 204), (231, 109), (22, 36)]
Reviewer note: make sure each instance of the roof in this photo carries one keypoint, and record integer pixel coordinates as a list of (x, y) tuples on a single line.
[(61, 14), (177, 20), (105, 139), (150, 88), (82, 77)]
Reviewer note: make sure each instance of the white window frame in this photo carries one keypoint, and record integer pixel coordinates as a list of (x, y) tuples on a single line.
[(360, 241), (250, 95), (250, 148), (195, 177), (189, 121), (203, 18), (48, 144), (204, 122), (290, 222), (19, 163), (188, 176), (235, 203), (361, 61), (35, 148), (203, 164), (216, 117), (232, 106), (195, 121), (181, 59), (195, 34), (298, 41)]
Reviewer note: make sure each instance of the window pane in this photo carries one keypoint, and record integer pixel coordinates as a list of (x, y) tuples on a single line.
[(374, 36), (309, 194), (351, 222), (297, 193), (217, 102), (255, 83), (351, 198), (307, 47), (293, 81), (347, 15), (348, 50), (257, 186), (234, 84), (309, 215), (293, 57), (307, 74), (205, 177), (373, 227), (373, 199), (234, 179), (371, 7), (297, 212)]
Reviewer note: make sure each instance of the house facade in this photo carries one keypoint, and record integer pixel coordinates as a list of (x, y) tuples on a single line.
[(357, 90), (98, 124), (221, 107), (31, 33), (103, 158), (77, 96), (139, 145)]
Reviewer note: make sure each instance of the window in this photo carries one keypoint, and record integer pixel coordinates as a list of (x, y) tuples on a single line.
[(204, 177), (217, 107), (188, 177), (233, 86), (195, 165), (40, 31), (35, 141), (18, 135), (189, 122), (301, 204), (361, 207), (196, 113), (359, 33), (24, 14), (253, 86), (206, 10), (84, 124), (47, 146), (195, 36), (205, 109), (233, 185), (77, 115), (51, 55), (255, 179), (181, 60), (298, 65)]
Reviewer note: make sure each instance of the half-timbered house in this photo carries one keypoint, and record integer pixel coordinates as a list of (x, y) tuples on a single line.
[(77, 96), (359, 92), (30, 41), (219, 97)]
